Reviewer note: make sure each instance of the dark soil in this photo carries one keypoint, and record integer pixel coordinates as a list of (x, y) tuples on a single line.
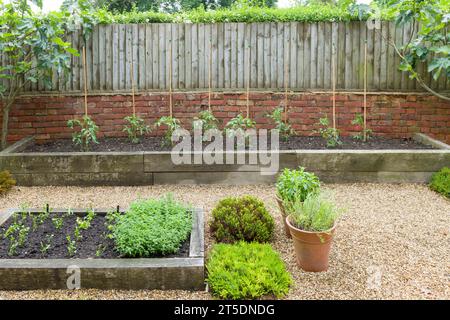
[(155, 144), (92, 239)]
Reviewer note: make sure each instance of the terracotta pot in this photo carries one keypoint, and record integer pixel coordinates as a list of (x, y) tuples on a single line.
[(311, 248), (283, 216)]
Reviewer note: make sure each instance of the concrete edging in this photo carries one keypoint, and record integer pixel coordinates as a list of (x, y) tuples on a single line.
[(129, 274)]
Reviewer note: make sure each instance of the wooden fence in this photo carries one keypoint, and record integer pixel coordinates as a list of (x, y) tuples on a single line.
[(232, 55)]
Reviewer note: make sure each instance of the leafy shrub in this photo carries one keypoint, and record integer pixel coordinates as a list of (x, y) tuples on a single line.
[(154, 226), (246, 271), (284, 128), (314, 214), (244, 218), (309, 13), (135, 128), (296, 185), (6, 181), (440, 182), (86, 134), (330, 134), (172, 124)]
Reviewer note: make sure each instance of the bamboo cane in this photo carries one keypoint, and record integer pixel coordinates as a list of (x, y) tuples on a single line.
[(132, 86), (209, 75), (285, 88), (365, 92), (248, 83), (85, 82), (170, 79), (333, 78)]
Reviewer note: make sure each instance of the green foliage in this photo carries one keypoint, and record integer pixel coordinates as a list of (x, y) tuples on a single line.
[(154, 226), (316, 12), (283, 127), (359, 121), (238, 126), (246, 271), (58, 222), (244, 218), (71, 246), (87, 133), (135, 128), (171, 124), (206, 121), (296, 185), (315, 214), (330, 134), (33, 45), (6, 182), (440, 182), (46, 244)]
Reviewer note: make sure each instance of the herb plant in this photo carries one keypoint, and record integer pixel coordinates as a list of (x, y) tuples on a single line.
[(330, 134), (135, 128), (87, 133), (154, 226), (296, 185), (172, 124), (246, 271), (245, 218), (283, 127), (359, 121), (315, 214)]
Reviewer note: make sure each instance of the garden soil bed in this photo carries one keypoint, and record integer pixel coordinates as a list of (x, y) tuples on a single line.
[(294, 143), (92, 238)]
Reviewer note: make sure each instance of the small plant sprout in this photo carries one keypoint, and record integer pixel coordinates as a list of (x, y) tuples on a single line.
[(46, 244), (23, 235), (58, 222), (135, 128), (100, 250), (330, 134), (87, 133), (359, 121), (205, 121), (172, 124), (13, 246), (283, 127), (71, 246), (239, 126)]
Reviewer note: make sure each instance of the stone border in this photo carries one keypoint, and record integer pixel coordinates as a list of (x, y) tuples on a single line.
[(148, 168), (127, 274), (426, 140)]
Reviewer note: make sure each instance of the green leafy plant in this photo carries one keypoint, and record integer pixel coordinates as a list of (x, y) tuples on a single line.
[(6, 181), (171, 124), (58, 222), (87, 133), (13, 246), (135, 128), (330, 134), (238, 126), (246, 271), (440, 182), (283, 127), (46, 244), (100, 250), (154, 226), (71, 246), (245, 218), (206, 121), (359, 121), (315, 214), (296, 185), (23, 235)]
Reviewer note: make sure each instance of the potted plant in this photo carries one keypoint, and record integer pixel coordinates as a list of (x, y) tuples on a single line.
[(312, 224), (293, 186)]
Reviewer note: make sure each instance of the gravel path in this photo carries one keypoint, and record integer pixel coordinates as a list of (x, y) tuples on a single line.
[(392, 241)]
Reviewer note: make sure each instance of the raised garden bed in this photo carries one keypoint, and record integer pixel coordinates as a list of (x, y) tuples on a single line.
[(30, 269), (157, 167)]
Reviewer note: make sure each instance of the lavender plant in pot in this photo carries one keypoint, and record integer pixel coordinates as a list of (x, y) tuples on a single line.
[(312, 224), (294, 186)]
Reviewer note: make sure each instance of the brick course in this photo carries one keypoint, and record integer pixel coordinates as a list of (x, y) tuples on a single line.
[(391, 115)]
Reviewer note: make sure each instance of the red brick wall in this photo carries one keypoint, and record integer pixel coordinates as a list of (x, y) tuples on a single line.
[(390, 115)]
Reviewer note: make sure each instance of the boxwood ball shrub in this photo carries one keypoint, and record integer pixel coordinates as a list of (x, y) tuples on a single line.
[(246, 271), (154, 226), (296, 185), (244, 218), (440, 182)]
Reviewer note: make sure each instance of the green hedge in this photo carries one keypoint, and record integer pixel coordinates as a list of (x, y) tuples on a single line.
[(311, 13)]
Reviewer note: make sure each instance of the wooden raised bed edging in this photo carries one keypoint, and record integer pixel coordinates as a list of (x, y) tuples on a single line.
[(127, 274), (147, 168)]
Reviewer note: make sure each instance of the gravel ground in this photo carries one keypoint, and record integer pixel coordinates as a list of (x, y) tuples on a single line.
[(391, 243)]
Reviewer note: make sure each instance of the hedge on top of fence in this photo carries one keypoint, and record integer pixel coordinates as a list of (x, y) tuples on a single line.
[(311, 13)]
